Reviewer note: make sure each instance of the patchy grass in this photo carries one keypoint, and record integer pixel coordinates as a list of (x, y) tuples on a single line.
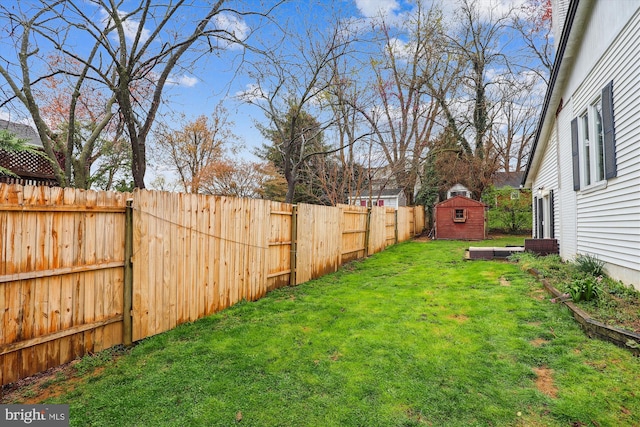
[(409, 337), (616, 304)]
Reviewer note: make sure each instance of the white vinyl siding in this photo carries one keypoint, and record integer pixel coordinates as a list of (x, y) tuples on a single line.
[(544, 181), (566, 198), (608, 219)]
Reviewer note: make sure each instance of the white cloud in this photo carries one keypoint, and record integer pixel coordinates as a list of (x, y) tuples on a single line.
[(400, 49), (183, 80), (253, 92), (234, 26), (376, 8)]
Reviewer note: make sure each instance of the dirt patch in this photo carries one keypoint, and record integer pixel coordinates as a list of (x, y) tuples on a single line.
[(460, 318), (538, 342), (504, 281), (544, 381), (36, 388)]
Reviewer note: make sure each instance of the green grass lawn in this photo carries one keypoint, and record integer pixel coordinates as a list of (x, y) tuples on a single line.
[(409, 337)]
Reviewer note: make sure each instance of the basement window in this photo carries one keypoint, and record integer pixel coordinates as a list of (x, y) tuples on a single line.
[(460, 215)]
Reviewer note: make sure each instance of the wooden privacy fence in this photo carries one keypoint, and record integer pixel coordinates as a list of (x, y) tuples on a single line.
[(61, 276), (67, 289)]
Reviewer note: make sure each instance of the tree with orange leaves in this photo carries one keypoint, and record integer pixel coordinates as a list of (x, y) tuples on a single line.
[(197, 148)]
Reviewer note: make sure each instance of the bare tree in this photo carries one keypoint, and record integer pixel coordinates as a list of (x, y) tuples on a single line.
[(533, 23), (477, 44), (133, 53), (290, 84), (405, 114), (25, 68), (514, 126)]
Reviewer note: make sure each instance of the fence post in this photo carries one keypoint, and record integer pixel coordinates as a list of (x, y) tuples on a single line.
[(294, 244), (367, 233), (396, 226), (127, 320)]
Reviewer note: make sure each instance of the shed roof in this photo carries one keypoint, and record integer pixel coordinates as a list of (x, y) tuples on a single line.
[(461, 201)]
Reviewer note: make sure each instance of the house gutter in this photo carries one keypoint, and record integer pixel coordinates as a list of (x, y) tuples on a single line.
[(577, 14)]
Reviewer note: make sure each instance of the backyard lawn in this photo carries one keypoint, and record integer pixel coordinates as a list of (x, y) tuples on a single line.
[(412, 336)]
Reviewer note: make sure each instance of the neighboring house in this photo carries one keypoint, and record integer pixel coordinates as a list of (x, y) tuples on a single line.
[(507, 179), (584, 169), (458, 190), (513, 180), (391, 198), (31, 168), (460, 218)]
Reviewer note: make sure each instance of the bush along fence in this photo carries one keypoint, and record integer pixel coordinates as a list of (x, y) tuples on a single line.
[(83, 270)]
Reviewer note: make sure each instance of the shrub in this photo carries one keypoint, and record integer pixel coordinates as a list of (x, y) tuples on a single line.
[(589, 264)]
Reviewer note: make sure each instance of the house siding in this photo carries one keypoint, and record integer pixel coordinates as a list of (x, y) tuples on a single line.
[(567, 205), (547, 180), (608, 217)]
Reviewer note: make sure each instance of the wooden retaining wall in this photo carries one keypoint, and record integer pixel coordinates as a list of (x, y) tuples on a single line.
[(67, 289)]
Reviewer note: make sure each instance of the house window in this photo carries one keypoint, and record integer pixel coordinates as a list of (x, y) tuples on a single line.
[(586, 151), (592, 138), (380, 202), (460, 215), (363, 203), (594, 142), (599, 137)]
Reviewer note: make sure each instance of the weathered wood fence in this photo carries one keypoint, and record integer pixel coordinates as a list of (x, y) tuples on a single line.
[(66, 288)]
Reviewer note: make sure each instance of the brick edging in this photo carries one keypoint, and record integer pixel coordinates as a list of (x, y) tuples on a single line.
[(593, 328)]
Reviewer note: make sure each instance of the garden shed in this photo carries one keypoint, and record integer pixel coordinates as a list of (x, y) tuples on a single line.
[(460, 218)]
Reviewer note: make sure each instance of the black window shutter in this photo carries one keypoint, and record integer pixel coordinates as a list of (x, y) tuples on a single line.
[(610, 163), (552, 233), (575, 155), (535, 217)]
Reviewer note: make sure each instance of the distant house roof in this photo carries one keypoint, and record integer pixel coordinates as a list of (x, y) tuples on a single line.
[(31, 168), (22, 131), (511, 179)]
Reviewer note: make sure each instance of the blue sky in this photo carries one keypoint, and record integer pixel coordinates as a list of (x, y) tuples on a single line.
[(215, 78)]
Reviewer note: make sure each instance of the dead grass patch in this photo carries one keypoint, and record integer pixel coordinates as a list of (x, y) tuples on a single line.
[(460, 318)]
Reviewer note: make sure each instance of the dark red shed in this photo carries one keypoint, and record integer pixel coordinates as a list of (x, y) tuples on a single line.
[(460, 218)]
